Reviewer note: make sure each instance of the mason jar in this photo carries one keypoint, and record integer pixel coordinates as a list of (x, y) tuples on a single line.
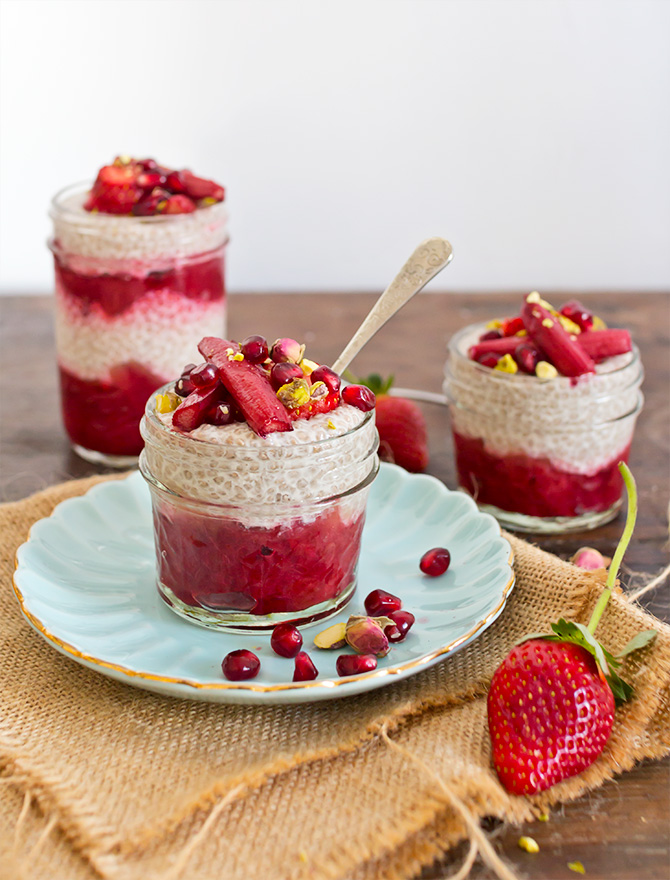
[(253, 531), (134, 295), (542, 455)]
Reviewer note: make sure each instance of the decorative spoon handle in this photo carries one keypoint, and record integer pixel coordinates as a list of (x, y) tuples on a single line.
[(430, 257)]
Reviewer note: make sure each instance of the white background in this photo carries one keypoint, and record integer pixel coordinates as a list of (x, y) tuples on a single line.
[(534, 134)]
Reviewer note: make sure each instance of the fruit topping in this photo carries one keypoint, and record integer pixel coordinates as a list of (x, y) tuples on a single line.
[(601, 344), (240, 665), (498, 347), (328, 377), (220, 414), (564, 352), (379, 603), (512, 326), (435, 562), (552, 700), (355, 664), (527, 357), (255, 349), (490, 334), (359, 396), (578, 314), (282, 374), (143, 188), (249, 388), (204, 376), (305, 670), (286, 640), (193, 410)]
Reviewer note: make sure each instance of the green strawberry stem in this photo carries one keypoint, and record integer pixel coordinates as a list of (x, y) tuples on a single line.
[(624, 541)]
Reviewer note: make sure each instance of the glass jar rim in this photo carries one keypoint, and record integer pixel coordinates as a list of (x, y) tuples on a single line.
[(58, 210), (324, 444), (500, 376)]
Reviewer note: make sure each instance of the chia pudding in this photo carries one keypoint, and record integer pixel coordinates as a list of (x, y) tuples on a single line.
[(536, 445), (258, 488), (139, 269)]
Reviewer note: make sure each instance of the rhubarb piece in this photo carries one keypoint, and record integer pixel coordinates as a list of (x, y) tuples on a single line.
[(194, 409), (200, 188), (250, 390), (499, 347), (601, 344), (527, 357), (567, 356)]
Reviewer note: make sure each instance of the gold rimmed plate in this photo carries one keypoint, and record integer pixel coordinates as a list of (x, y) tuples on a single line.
[(85, 581)]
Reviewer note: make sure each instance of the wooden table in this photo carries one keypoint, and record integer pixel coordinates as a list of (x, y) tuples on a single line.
[(620, 831)]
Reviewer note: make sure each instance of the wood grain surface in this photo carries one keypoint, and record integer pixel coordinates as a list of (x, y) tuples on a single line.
[(620, 831)]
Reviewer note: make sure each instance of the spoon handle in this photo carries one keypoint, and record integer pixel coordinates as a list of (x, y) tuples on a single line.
[(430, 257)]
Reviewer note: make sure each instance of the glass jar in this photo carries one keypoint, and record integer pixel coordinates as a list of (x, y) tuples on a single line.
[(541, 455), (256, 531), (134, 295)]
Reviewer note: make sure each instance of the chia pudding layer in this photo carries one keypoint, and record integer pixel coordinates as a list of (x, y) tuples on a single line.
[(544, 448), (134, 294)]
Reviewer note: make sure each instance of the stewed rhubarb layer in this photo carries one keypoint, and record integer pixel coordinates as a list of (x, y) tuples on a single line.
[(534, 486), (222, 564)]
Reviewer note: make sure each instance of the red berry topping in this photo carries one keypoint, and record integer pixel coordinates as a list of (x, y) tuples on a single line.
[(255, 349), (220, 414), (329, 377), (150, 179), (379, 603), (179, 205), (286, 640), (200, 188), (240, 665), (435, 562), (147, 164), (355, 664), (490, 334), (282, 374), (204, 376), (527, 356), (359, 396), (393, 634), (488, 360), (305, 670), (154, 203), (175, 183), (511, 326), (403, 621), (576, 312)]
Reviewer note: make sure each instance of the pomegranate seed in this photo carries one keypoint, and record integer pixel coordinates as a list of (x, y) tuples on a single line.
[(240, 665), (511, 326), (305, 670), (527, 356), (184, 386), (187, 369), (329, 377), (150, 179), (204, 376), (286, 640), (147, 164), (378, 603), (488, 360), (221, 414), (393, 634), (282, 374), (404, 621), (355, 664), (578, 313), (179, 205), (175, 183), (435, 562), (490, 334), (255, 349), (359, 396)]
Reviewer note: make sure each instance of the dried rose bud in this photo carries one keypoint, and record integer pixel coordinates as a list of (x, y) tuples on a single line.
[(287, 351), (366, 635), (589, 559)]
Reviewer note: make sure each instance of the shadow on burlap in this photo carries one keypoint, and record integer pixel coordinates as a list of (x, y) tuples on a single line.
[(126, 784)]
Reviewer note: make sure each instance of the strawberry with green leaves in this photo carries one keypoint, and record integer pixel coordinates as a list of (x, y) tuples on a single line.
[(551, 702), (403, 438)]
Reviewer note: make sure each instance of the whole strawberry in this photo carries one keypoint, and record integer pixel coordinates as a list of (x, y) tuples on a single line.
[(550, 714), (403, 438), (551, 700)]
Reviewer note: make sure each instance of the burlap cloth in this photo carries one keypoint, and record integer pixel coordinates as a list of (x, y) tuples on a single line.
[(101, 779)]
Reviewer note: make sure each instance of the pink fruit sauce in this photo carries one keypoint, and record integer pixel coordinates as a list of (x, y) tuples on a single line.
[(221, 564), (533, 486)]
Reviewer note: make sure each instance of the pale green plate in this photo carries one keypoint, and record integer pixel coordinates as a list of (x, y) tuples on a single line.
[(85, 582)]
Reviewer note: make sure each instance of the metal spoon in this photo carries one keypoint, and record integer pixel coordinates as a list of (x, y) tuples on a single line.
[(430, 257)]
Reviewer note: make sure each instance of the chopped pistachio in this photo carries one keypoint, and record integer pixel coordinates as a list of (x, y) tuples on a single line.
[(330, 424), (598, 323), (535, 297), (238, 357), (507, 364), (577, 867), (547, 322), (543, 817), (529, 845), (545, 370), (167, 403), (569, 325)]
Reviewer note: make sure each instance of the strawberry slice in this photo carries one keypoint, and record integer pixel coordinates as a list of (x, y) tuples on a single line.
[(115, 190), (193, 410), (250, 389), (561, 350), (601, 344)]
